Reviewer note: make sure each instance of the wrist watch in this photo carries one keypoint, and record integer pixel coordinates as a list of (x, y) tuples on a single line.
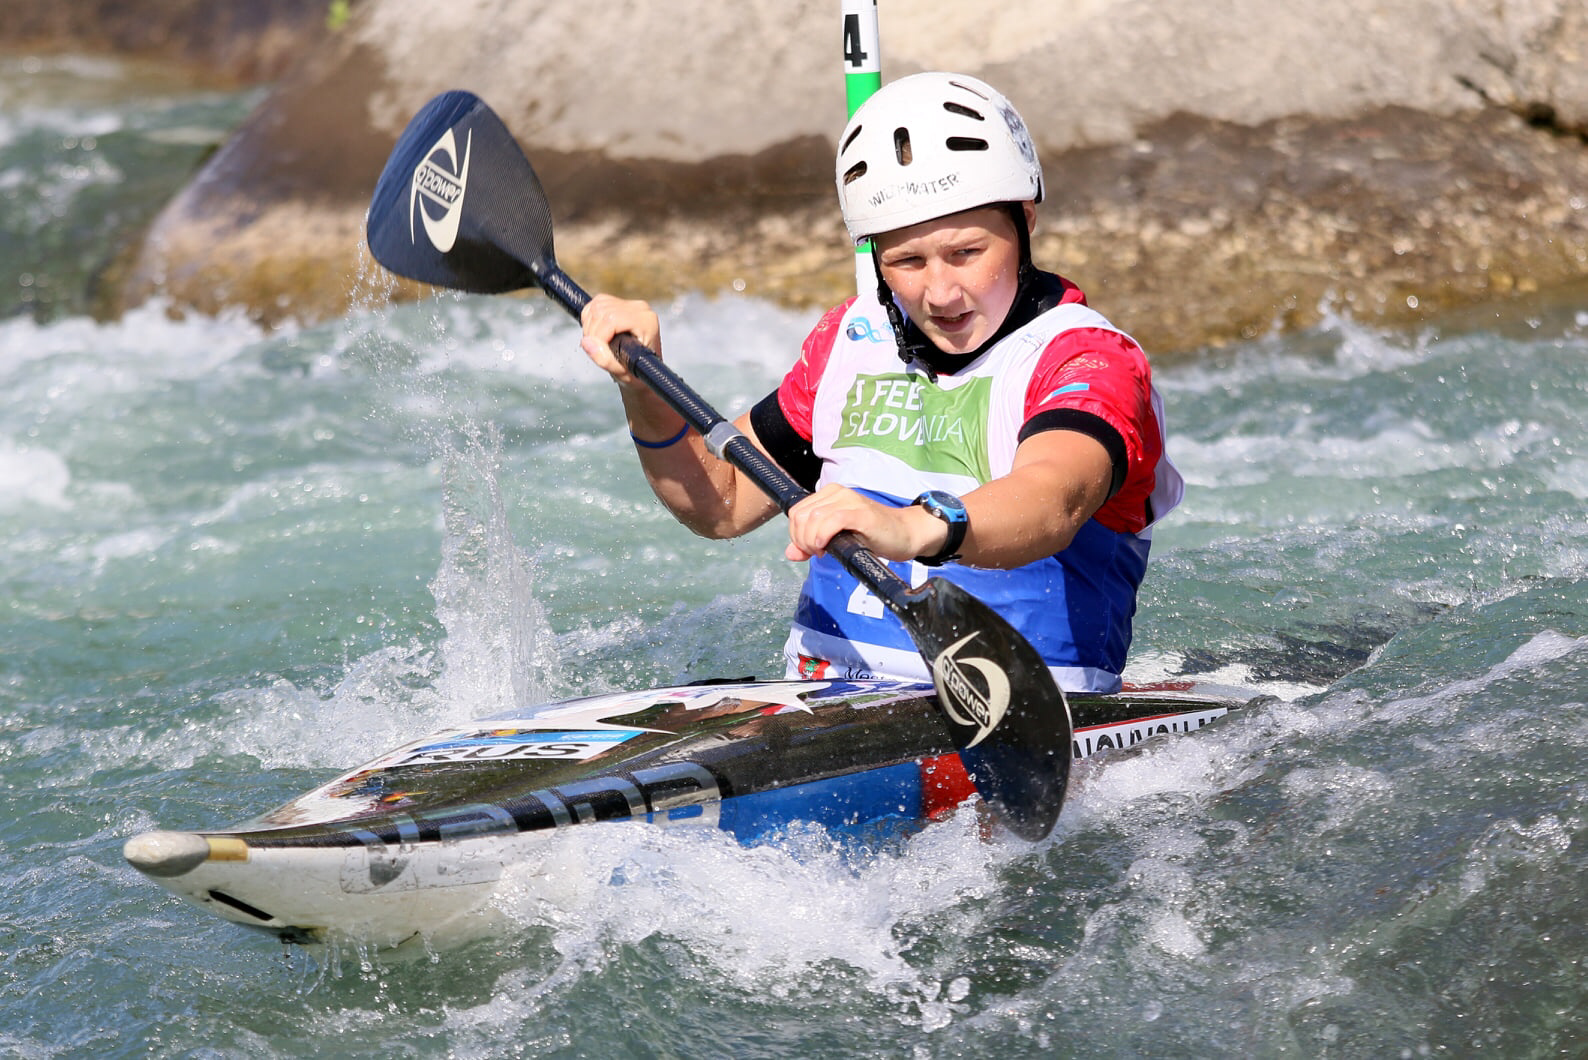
[(951, 510)]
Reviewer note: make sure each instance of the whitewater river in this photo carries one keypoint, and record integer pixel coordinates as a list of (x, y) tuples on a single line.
[(236, 561)]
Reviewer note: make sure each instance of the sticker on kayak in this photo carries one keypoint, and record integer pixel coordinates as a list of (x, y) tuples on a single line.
[(499, 745)]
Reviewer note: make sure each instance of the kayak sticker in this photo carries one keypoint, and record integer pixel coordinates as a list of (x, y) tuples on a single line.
[(500, 745), (1095, 738), (726, 698)]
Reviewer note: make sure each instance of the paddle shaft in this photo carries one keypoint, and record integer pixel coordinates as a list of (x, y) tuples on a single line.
[(727, 442)]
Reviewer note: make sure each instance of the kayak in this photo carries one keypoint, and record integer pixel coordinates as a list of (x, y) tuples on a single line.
[(411, 846)]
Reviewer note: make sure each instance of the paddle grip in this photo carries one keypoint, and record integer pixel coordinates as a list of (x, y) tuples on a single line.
[(643, 362), (772, 479), (870, 569)]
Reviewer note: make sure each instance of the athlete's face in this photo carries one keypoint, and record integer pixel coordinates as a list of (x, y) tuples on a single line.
[(956, 276)]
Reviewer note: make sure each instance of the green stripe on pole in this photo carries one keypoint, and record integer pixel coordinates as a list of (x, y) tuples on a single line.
[(862, 78), (860, 88)]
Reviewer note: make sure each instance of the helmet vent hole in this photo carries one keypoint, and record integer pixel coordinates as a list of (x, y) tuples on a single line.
[(963, 111), (901, 146), (966, 143), (854, 173), (972, 89), (855, 133)]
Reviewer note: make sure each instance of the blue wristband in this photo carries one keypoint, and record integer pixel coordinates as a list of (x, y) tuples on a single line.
[(643, 444)]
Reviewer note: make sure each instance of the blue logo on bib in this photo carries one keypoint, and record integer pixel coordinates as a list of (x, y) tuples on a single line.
[(860, 328)]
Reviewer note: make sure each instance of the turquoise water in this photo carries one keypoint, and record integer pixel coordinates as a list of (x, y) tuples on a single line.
[(237, 561)]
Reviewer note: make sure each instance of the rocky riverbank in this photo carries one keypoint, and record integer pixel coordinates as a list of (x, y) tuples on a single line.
[(1213, 174)]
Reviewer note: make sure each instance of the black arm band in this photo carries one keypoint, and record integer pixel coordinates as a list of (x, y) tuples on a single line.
[(1091, 425), (783, 443)]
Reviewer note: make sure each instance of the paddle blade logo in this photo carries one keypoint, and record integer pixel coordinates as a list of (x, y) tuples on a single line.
[(435, 195), (963, 701)]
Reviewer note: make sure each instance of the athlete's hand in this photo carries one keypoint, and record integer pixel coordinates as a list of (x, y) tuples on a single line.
[(892, 533), (604, 319)]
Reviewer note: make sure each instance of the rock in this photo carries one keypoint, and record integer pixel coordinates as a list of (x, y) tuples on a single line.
[(1215, 172), (235, 42), (1210, 232)]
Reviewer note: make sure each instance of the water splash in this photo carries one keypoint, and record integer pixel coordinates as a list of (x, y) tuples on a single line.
[(784, 921), (499, 652)]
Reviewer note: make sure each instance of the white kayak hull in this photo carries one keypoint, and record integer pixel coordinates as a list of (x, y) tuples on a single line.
[(412, 846)]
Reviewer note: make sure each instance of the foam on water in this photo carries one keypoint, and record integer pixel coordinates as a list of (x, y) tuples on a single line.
[(744, 340), (31, 475), (147, 344), (704, 889)]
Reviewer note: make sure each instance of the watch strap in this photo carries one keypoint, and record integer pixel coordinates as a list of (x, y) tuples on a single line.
[(951, 510)]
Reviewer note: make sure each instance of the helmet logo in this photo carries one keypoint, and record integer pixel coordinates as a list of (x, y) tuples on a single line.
[(915, 189), (1018, 133)]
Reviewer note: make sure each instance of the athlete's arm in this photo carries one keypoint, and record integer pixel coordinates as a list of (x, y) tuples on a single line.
[(1072, 458), (1058, 481), (710, 496)]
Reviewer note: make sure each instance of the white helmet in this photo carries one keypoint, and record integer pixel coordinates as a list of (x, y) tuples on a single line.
[(930, 145)]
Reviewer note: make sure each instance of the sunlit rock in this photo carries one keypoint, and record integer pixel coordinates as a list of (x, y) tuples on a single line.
[(1215, 171)]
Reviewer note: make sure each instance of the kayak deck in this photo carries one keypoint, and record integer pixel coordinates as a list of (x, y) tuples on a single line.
[(416, 839)]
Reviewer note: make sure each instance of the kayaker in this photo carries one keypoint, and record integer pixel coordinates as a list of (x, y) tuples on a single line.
[(973, 415)]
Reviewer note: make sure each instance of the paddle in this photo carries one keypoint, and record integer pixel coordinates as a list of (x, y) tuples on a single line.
[(459, 205)]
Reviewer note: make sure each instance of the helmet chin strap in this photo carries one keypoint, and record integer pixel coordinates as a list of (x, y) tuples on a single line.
[(911, 341), (913, 345)]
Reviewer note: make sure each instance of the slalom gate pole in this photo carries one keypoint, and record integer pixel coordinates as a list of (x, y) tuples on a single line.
[(862, 78)]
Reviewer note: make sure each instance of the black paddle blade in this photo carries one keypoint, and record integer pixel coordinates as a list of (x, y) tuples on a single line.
[(1007, 715), (458, 205)]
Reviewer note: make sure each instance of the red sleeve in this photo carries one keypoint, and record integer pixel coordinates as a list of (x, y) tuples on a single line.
[(1103, 373), (796, 395)]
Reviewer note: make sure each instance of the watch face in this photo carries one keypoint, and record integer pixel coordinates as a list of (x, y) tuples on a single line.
[(943, 505)]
